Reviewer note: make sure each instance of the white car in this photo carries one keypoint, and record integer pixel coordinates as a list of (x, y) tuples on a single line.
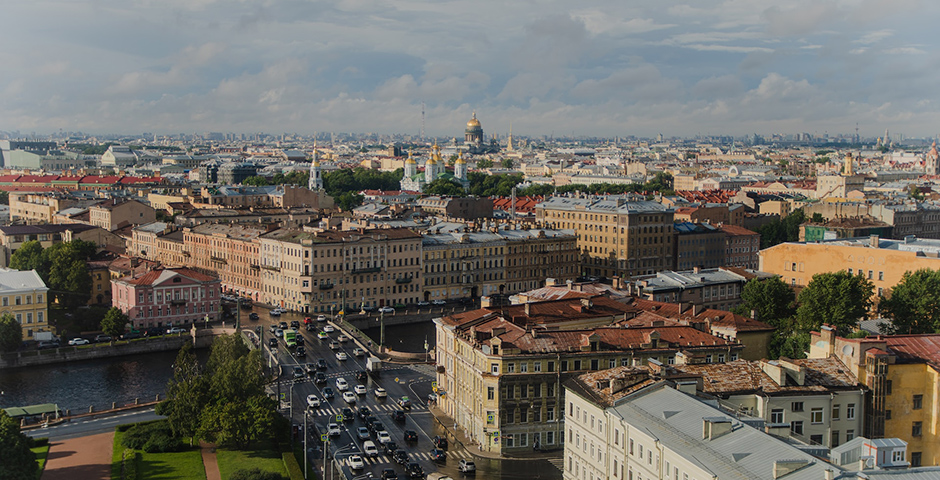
[(370, 449), (333, 429), (341, 356), (276, 312), (349, 397), (78, 341), (383, 437), (313, 401), (380, 392), (387, 310), (279, 333), (355, 462), (360, 389), (328, 329), (342, 338), (423, 303), (341, 384), (359, 352), (438, 302), (321, 318)]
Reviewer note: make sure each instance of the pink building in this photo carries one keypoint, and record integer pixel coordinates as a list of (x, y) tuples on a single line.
[(167, 297)]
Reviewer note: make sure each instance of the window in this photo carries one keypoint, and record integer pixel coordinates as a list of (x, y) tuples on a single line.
[(796, 427), (888, 387), (918, 402), (494, 368), (551, 366), (835, 439), (915, 459), (849, 434), (776, 415), (850, 413), (917, 429), (616, 436), (490, 393), (815, 439), (881, 275), (549, 437), (897, 456), (510, 368), (887, 414), (796, 406), (835, 412), (523, 367), (816, 416), (537, 366)]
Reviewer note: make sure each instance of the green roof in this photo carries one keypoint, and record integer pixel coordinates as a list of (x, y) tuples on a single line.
[(31, 410)]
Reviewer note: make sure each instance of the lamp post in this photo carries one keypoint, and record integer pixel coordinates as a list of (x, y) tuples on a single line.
[(348, 447), (381, 332)]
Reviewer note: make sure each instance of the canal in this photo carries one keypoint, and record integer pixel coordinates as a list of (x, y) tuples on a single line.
[(405, 338)]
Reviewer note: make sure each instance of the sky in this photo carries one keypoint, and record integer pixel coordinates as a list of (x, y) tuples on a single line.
[(595, 68)]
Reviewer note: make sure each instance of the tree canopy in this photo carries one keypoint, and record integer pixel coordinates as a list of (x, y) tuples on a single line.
[(63, 267), (18, 460), (443, 186), (11, 333), (779, 231), (661, 183), (835, 298), (771, 299), (483, 185), (914, 304), (114, 322)]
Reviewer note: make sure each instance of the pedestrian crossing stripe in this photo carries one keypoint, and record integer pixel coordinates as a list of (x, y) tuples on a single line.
[(382, 459), (374, 408)]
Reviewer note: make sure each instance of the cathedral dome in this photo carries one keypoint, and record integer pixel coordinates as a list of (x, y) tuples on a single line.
[(474, 124)]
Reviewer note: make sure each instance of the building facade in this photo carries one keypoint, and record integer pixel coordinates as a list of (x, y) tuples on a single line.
[(741, 247), (24, 295), (228, 251), (167, 297)]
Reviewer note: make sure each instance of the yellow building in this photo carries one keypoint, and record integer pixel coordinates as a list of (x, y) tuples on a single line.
[(24, 295), (880, 260), (902, 373)]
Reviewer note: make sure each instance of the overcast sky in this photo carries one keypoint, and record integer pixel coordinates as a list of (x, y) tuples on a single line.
[(604, 68)]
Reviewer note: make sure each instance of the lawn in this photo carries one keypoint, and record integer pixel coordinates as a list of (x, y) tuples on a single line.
[(264, 457), (176, 465), (41, 454)]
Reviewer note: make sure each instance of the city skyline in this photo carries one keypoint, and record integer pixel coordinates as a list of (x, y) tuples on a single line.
[(547, 68)]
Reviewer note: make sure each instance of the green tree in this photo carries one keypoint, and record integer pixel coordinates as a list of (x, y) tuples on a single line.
[(348, 200), (257, 181), (4, 197), (837, 298), (11, 333), (255, 474), (914, 304), (507, 163), (114, 322), (29, 257), (484, 163), (68, 276), (19, 462), (443, 186), (780, 231), (187, 395), (770, 298)]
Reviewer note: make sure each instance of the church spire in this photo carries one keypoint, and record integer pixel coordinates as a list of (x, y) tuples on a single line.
[(316, 180)]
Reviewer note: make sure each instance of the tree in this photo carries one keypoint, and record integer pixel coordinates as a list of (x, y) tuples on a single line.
[(257, 181), (348, 200), (11, 333), (18, 460), (837, 298), (914, 304), (187, 395), (68, 276), (484, 163), (770, 298), (114, 322), (29, 257), (4, 197), (255, 474), (445, 187), (507, 163)]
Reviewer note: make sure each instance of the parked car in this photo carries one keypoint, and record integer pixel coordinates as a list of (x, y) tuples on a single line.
[(439, 442), (78, 341), (438, 455), (275, 313), (387, 310), (411, 436), (368, 308), (313, 401), (130, 336), (355, 462), (400, 456), (253, 316), (47, 344), (438, 302), (363, 433), (466, 466), (423, 303), (369, 448), (107, 338)]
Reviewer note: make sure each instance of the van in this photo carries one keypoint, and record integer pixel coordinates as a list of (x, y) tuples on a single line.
[(370, 449)]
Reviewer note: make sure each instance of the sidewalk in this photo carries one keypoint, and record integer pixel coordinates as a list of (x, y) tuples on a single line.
[(460, 437), (86, 457), (209, 461)]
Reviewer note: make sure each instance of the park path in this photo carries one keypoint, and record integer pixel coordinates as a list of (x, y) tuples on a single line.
[(84, 457), (209, 461)]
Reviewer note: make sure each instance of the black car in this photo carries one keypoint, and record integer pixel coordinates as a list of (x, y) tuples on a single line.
[(411, 436), (439, 442), (348, 414), (390, 448), (328, 392), (311, 328), (299, 339), (320, 378), (370, 419), (362, 376), (400, 456), (364, 412), (282, 325), (130, 336), (389, 474), (414, 470), (398, 416), (438, 455), (310, 369), (295, 324), (253, 316), (376, 427), (301, 352), (272, 342), (321, 364), (258, 329)]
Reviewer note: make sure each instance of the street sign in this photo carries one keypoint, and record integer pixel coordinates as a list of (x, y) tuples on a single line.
[(339, 418), (434, 386), (490, 419), (323, 437)]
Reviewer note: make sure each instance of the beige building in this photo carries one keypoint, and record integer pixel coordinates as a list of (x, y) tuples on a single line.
[(25, 296), (229, 251), (39, 208), (115, 213)]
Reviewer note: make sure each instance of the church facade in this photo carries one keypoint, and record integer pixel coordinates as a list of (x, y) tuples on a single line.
[(434, 168)]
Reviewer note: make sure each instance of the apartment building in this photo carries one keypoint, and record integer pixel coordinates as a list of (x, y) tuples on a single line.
[(114, 213), (718, 288), (228, 251), (40, 208), (697, 245), (167, 297), (24, 295), (741, 247), (316, 270), (12, 237), (499, 370), (616, 236)]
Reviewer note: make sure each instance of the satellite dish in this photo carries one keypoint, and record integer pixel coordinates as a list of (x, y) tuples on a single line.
[(847, 350)]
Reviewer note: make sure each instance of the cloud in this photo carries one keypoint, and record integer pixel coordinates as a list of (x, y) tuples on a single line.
[(799, 19)]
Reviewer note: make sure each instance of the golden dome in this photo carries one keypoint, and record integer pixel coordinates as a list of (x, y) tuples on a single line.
[(473, 123), (459, 159), (411, 159)]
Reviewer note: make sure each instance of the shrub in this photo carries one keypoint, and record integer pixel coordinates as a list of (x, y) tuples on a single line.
[(152, 437), (293, 468), (255, 474), (40, 442), (131, 462)]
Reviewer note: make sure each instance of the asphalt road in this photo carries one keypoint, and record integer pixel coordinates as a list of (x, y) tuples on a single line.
[(91, 425)]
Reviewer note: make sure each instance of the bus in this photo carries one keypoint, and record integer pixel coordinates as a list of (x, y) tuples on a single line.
[(290, 338)]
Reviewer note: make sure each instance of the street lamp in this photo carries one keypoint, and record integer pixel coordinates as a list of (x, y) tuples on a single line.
[(348, 447)]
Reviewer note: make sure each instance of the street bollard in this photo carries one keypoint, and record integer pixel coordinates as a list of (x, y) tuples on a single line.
[(91, 409), (113, 405), (136, 401)]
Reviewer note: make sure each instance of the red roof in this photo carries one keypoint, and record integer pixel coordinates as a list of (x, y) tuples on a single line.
[(152, 276), (37, 178), (98, 180), (736, 230), (924, 348)]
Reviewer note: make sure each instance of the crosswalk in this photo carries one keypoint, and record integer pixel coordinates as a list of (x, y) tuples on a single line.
[(325, 410), (416, 456)]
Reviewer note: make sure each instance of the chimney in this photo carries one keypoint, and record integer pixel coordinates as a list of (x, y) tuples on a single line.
[(696, 269), (829, 474), (873, 241), (785, 467), (714, 427), (697, 309), (570, 283), (527, 309), (780, 430), (754, 314), (687, 387)]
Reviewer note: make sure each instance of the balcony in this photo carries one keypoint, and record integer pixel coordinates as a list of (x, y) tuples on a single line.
[(178, 301), (254, 266), (403, 280), (326, 286), (218, 259), (357, 271), (271, 268)]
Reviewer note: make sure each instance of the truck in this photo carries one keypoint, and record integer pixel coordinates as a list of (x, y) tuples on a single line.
[(290, 338), (44, 336), (373, 365)]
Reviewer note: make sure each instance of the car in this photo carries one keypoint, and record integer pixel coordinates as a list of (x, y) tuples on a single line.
[(361, 375), (414, 470), (295, 324), (328, 393), (47, 344), (258, 329), (299, 339), (299, 373), (380, 392), (369, 420), (328, 329), (363, 433), (275, 313), (311, 328), (334, 430), (107, 338), (390, 447), (341, 356), (389, 474), (438, 302), (342, 338), (253, 316), (387, 310), (78, 341), (313, 401), (308, 320), (398, 416), (310, 368), (400, 456), (411, 436), (359, 352), (321, 318), (322, 335), (282, 325), (363, 412), (348, 414), (301, 352), (355, 462), (321, 364), (439, 442), (438, 455), (423, 303), (349, 397), (130, 336), (404, 402), (383, 437), (376, 426), (341, 384), (369, 448), (279, 333), (334, 345), (368, 308), (272, 328), (360, 389), (272, 342), (466, 466), (319, 378)]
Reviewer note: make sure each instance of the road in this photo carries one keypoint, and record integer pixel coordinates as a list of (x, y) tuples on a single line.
[(80, 427)]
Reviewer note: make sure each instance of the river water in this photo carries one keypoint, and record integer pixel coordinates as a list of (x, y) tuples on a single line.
[(406, 338), (77, 385)]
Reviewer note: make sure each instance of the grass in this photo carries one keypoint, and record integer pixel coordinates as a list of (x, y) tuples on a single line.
[(176, 465), (41, 454), (265, 457)]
